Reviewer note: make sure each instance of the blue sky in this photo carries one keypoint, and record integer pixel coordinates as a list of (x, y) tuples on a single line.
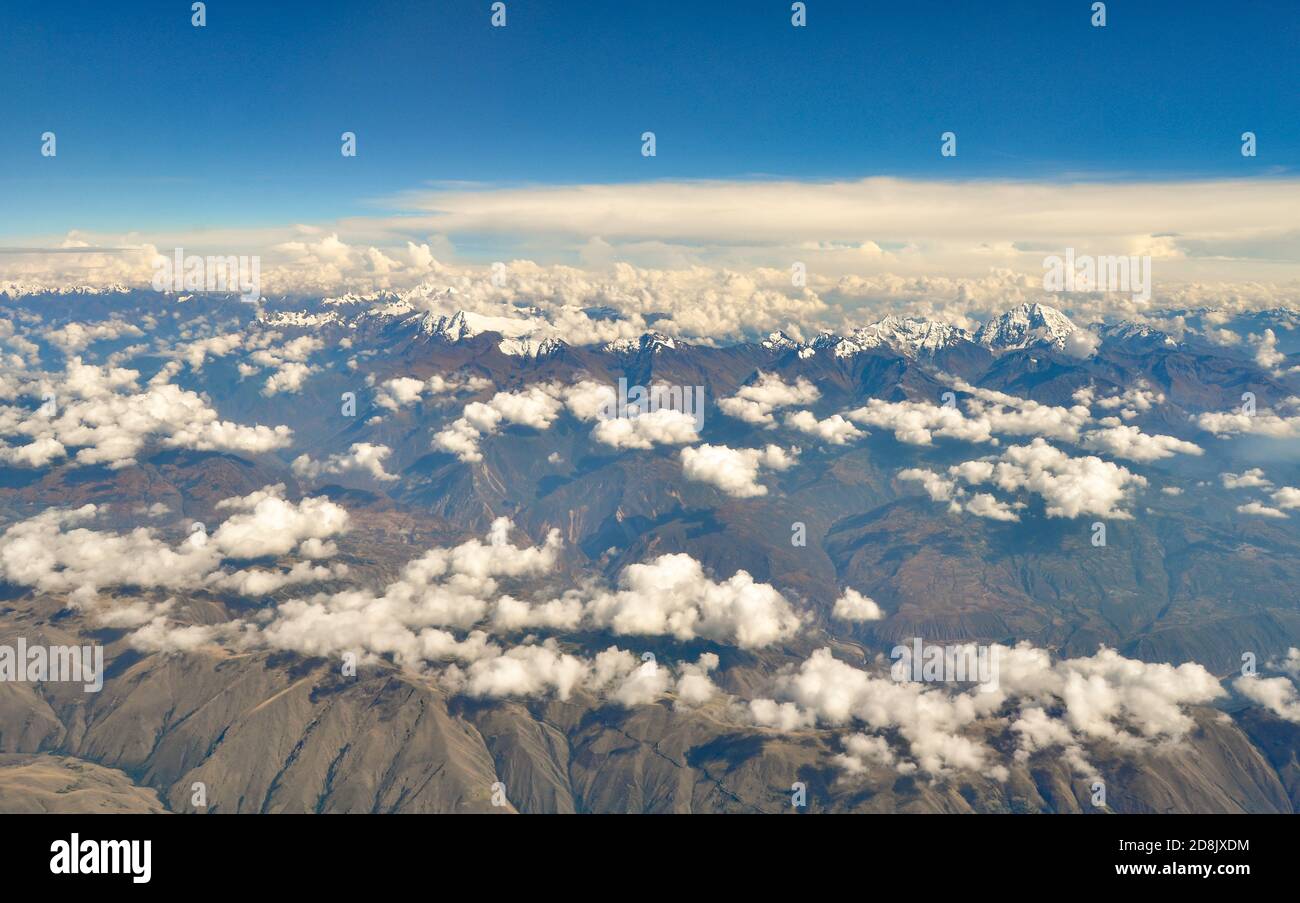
[(162, 125)]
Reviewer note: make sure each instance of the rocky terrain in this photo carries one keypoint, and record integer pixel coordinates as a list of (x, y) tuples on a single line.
[(265, 485)]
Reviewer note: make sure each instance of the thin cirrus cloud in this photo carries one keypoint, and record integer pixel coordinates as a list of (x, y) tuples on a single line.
[(1225, 229), (961, 224)]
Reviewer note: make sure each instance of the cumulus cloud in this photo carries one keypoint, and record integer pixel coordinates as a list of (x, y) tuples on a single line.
[(694, 687), (104, 414), (1011, 415), (833, 430), (734, 471), (1135, 400), (974, 230), (1277, 694), (1066, 705), (672, 596), (988, 412), (918, 422), (1287, 497), (1250, 479), (982, 504), (197, 352), (1081, 343), (419, 617), (1262, 423), (75, 337), (1259, 509), (862, 752), (534, 407), (662, 415), (1266, 353), (268, 524), (1069, 486), (446, 607), (405, 391), (444, 587), (54, 553), (663, 426), (544, 668), (853, 606), (254, 582), (399, 392), (1290, 663), (361, 457), (1129, 442), (288, 362), (754, 403)]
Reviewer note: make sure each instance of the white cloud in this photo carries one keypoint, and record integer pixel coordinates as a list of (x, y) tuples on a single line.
[(1290, 664), (1266, 353), (918, 422), (862, 752), (1260, 510), (267, 524), (55, 554), (663, 426), (535, 407), (1070, 486), (1262, 423), (1081, 343), (289, 363), (1129, 442), (734, 471), (853, 606), (833, 430), (102, 412), (1137, 399), (1287, 497), (1107, 697), (404, 391), (982, 504), (672, 596), (1250, 479), (75, 337), (1276, 694), (755, 402), (361, 457)]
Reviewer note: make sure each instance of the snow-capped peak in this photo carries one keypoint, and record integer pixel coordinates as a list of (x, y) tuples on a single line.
[(651, 342), (909, 335), (779, 341), (1128, 331), (1026, 325), (20, 288), (466, 324), (527, 347)]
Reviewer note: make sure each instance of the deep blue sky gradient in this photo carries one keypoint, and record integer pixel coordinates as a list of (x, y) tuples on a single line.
[(162, 125)]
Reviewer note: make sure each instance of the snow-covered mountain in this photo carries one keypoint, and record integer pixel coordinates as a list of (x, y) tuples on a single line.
[(1026, 325), (910, 335), (464, 325), (647, 343), (20, 288), (1128, 331)]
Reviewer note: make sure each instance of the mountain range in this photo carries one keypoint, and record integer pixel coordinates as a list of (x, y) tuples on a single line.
[(433, 573)]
